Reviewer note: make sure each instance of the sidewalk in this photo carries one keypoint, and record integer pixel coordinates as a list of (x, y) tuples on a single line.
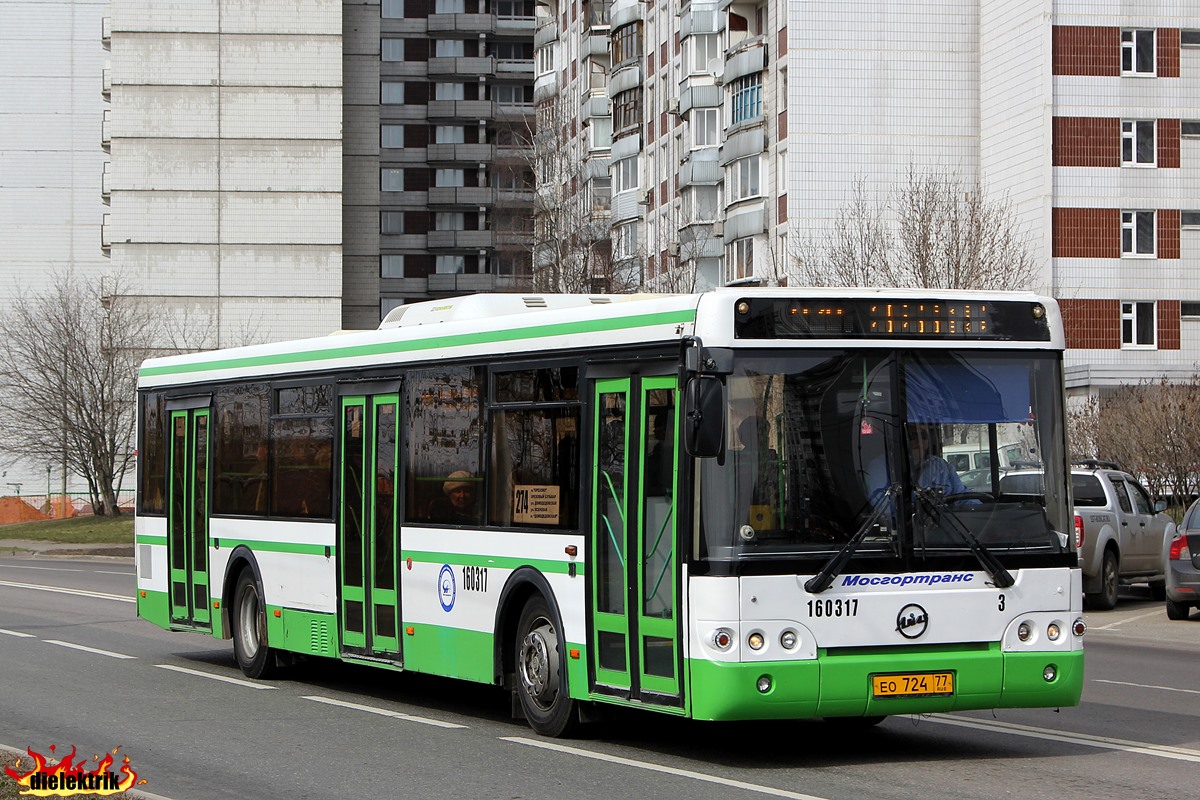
[(37, 548)]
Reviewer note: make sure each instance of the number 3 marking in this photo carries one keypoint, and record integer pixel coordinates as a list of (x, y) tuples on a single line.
[(1001, 607)]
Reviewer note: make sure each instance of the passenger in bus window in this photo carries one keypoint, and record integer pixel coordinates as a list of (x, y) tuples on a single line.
[(459, 504)]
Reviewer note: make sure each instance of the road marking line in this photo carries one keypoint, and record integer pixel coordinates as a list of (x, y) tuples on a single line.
[(1083, 739), (1112, 625), (48, 569), (383, 712), (651, 766), (111, 572), (86, 649), (63, 590), (18, 634), (1147, 686), (237, 681)]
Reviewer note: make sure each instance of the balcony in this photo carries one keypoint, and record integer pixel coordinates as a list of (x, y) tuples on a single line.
[(595, 104), (467, 23), (461, 109), (106, 32), (105, 186), (461, 196), (515, 26), (106, 235), (106, 82), (106, 130), (461, 240), (515, 67), (513, 112), (462, 66), (464, 284), (460, 152)]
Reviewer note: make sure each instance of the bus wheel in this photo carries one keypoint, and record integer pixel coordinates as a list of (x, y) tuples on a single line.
[(250, 629), (541, 682)]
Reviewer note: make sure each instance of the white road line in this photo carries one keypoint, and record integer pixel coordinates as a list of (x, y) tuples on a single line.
[(1148, 686), (85, 649), (111, 572), (237, 681), (18, 634), (47, 569), (1082, 739), (383, 712), (63, 590), (1112, 625), (651, 766)]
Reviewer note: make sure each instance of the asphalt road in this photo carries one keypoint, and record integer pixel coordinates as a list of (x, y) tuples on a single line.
[(79, 669)]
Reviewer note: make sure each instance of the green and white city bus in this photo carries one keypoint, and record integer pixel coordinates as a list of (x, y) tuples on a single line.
[(712, 505)]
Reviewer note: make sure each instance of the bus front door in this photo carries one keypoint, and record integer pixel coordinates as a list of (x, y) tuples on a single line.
[(634, 642), (368, 535), (187, 533)]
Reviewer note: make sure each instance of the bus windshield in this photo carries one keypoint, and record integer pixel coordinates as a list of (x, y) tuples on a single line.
[(821, 444)]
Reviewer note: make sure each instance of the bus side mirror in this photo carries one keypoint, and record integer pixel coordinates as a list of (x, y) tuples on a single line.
[(704, 416)]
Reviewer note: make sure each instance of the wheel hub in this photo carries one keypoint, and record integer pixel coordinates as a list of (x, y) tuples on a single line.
[(539, 664)]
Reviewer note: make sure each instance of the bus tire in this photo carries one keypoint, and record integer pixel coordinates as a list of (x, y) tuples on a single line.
[(541, 671), (249, 620)]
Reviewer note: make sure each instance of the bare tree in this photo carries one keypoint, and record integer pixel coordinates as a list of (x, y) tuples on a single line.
[(932, 231), (70, 363), (1149, 429)]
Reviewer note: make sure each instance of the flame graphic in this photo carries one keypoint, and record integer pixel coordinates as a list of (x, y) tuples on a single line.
[(84, 779)]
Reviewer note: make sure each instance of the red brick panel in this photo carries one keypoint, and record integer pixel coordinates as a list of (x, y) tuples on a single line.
[(1087, 142), (1168, 143), (1168, 52), (1168, 325), (1087, 233), (781, 130), (781, 47), (1087, 50), (1092, 324), (781, 209), (1168, 233)]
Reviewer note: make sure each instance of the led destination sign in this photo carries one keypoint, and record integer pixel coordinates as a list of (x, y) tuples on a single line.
[(868, 318)]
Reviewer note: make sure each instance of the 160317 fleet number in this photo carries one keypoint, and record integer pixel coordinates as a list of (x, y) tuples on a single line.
[(833, 607)]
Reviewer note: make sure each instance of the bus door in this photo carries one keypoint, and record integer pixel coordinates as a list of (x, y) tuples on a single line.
[(368, 534), (187, 523), (634, 636)]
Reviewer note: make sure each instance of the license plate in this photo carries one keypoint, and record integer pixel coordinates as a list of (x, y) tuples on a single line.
[(913, 684)]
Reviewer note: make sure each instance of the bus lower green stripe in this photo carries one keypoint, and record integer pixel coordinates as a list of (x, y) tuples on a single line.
[(500, 562), (273, 547), (432, 343), (148, 539)]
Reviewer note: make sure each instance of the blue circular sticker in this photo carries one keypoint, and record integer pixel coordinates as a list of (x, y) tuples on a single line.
[(446, 587)]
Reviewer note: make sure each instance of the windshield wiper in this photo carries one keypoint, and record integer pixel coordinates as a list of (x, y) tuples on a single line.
[(931, 500), (821, 581)]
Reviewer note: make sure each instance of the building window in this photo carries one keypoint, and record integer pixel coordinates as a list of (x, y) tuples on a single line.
[(391, 136), (449, 134), (1137, 233), (739, 260), (1189, 128), (627, 42), (391, 50), (512, 51), (700, 203), (448, 178), (1189, 38), (392, 9), (600, 133), (1137, 143), (1189, 309), (1137, 325), (1137, 52), (545, 59), (391, 180), (627, 109), (625, 240), (448, 48), (1189, 219), (742, 179), (508, 9), (510, 95), (706, 125), (450, 265), (702, 55), (447, 91), (450, 6), (391, 93), (746, 98), (448, 221), (391, 222), (625, 175), (391, 266)]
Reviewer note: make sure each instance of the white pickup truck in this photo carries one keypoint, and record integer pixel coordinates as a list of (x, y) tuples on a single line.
[(1122, 536)]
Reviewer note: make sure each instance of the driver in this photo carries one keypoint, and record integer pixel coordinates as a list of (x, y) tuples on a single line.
[(925, 457)]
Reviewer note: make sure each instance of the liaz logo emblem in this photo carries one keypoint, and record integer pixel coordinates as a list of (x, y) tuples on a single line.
[(912, 621)]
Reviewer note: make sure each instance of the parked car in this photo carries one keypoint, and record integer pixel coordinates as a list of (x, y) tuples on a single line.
[(1183, 566), (1121, 535)]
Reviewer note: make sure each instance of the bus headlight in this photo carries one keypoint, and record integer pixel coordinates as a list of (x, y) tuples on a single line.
[(755, 641), (1024, 631), (787, 640), (1053, 631)]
